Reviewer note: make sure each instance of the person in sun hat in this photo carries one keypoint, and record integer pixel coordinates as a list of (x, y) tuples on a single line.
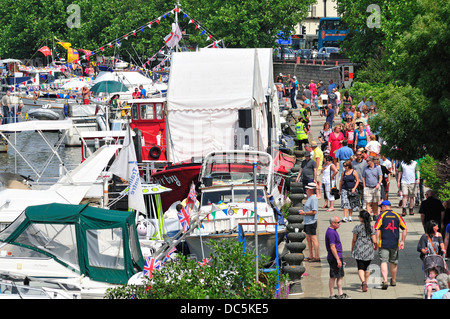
[(310, 210)]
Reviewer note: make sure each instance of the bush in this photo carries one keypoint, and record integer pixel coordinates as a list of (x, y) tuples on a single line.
[(229, 275)]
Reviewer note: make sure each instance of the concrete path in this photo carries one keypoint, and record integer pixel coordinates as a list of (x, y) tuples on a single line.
[(410, 277)]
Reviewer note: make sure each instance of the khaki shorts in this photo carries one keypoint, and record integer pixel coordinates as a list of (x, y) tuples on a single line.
[(319, 176), (409, 189), (388, 255), (371, 195)]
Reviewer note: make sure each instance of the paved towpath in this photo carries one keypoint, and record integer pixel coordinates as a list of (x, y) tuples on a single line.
[(410, 277)]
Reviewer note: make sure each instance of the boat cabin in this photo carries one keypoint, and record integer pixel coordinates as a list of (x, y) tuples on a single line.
[(148, 120)]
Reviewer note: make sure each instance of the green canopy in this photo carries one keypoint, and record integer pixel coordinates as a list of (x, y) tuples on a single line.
[(108, 87), (99, 243)]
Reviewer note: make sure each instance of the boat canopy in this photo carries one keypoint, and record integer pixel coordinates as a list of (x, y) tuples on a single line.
[(98, 243)]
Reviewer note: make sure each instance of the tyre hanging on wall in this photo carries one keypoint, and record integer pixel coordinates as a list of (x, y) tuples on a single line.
[(155, 152)]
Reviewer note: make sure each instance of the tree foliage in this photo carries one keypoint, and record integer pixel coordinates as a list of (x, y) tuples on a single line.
[(27, 25), (407, 51)]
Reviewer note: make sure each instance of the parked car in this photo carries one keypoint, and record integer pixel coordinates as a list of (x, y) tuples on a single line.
[(304, 54), (324, 53), (284, 54)]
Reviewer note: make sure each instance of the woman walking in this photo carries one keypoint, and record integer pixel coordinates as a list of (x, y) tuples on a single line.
[(328, 177), (364, 244), (348, 186), (335, 141), (361, 137)]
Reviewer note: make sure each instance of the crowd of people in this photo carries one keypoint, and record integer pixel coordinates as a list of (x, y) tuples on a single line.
[(346, 162)]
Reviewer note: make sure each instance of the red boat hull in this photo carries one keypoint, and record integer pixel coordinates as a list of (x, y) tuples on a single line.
[(178, 178)]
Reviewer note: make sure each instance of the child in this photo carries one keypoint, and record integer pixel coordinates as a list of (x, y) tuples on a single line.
[(320, 106), (350, 135), (431, 282)]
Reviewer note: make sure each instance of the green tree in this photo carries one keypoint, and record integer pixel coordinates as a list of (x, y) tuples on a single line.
[(26, 25), (248, 24)]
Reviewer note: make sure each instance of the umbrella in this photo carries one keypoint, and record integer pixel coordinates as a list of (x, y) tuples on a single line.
[(109, 87)]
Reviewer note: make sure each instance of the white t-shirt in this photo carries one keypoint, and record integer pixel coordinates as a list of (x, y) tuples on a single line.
[(408, 172), (374, 146)]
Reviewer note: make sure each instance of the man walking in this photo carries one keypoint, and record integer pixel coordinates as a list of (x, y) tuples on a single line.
[(329, 111), (372, 177), (343, 154), (308, 170), (432, 209), (334, 258), (408, 176), (359, 164), (388, 228), (302, 134), (310, 210)]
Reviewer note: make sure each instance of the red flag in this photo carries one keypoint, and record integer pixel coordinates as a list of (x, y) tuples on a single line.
[(45, 50)]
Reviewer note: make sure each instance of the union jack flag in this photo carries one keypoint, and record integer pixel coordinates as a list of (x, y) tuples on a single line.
[(151, 264), (204, 261), (183, 216), (192, 195), (167, 257)]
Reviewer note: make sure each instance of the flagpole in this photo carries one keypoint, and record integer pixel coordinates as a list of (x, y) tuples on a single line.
[(255, 200)]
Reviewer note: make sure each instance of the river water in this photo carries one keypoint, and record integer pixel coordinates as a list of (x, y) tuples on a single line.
[(33, 147)]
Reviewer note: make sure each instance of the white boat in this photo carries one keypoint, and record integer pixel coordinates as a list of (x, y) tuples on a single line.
[(227, 206), (87, 247), (86, 182), (17, 286)]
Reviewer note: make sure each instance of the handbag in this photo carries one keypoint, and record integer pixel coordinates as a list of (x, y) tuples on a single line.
[(334, 191)]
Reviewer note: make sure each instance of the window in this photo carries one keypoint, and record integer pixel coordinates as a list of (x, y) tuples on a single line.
[(159, 111), (147, 112), (103, 250), (135, 111)]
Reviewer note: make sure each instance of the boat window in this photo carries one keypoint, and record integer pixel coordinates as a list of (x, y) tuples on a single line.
[(227, 196), (105, 248), (159, 111), (55, 239), (147, 112), (135, 111)]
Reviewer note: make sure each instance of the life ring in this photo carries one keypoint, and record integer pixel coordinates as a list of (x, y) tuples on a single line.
[(155, 152)]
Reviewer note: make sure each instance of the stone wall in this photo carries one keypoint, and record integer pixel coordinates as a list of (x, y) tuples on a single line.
[(307, 72)]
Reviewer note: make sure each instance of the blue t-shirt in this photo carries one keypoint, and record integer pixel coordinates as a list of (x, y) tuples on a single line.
[(330, 116), (344, 153), (311, 204), (332, 237), (331, 87)]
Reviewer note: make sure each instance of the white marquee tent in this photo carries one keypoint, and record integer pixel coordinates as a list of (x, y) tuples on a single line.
[(205, 93)]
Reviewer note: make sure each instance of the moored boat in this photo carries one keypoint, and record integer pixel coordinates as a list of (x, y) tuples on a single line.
[(228, 207)]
